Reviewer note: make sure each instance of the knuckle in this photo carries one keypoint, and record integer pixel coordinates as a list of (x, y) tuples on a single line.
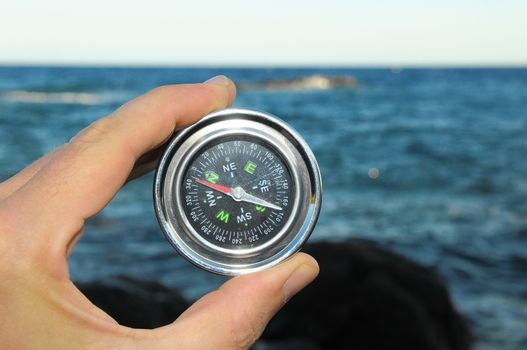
[(213, 92), (163, 92), (162, 89)]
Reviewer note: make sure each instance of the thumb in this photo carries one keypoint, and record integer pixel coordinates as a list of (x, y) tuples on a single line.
[(234, 316)]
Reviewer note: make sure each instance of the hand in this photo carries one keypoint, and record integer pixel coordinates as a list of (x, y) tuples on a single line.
[(42, 212)]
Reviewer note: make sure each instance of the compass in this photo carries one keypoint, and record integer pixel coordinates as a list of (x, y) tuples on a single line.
[(237, 192)]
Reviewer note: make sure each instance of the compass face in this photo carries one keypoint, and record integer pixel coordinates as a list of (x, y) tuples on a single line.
[(237, 193)]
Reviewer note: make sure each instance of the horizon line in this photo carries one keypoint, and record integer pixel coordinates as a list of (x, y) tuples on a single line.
[(138, 65)]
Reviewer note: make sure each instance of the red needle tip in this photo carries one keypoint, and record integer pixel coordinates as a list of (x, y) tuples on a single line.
[(220, 188)]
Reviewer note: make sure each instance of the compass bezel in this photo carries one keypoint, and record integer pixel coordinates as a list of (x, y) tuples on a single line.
[(296, 156)]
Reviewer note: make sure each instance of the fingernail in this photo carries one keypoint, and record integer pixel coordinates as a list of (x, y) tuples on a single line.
[(299, 279), (218, 80)]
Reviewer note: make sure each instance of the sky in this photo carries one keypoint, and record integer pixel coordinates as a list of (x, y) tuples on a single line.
[(268, 33)]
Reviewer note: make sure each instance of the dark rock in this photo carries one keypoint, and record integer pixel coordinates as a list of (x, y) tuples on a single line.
[(136, 303), (365, 298), (369, 298), (286, 344)]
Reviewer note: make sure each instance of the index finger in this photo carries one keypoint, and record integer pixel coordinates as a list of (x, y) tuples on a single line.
[(92, 167)]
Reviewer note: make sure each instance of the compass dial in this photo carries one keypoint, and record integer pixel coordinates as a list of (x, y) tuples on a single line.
[(237, 193)]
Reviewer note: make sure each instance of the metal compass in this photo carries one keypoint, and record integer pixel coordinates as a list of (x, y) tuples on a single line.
[(237, 192)]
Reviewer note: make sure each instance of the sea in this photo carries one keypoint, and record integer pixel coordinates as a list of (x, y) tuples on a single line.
[(431, 163)]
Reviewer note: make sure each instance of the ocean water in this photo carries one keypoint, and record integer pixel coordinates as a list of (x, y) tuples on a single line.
[(431, 163)]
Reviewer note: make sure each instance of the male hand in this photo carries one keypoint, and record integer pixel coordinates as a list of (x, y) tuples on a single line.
[(42, 213)]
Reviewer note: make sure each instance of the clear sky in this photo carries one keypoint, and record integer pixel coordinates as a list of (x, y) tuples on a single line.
[(269, 32)]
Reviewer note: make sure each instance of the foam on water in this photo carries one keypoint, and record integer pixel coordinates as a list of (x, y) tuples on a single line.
[(20, 96)]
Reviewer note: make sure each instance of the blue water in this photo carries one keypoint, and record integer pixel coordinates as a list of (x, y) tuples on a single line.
[(450, 147)]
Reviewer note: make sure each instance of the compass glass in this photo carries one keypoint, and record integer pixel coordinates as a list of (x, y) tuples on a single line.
[(237, 193)]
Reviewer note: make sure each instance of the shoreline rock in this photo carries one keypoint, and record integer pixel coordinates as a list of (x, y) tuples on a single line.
[(366, 297), (135, 302), (309, 82)]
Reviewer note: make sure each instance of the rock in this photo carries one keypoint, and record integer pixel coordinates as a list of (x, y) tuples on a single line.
[(366, 297), (136, 303), (369, 298), (310, 82)]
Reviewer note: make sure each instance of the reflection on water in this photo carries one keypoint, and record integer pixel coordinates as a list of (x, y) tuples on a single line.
[(430, 163)]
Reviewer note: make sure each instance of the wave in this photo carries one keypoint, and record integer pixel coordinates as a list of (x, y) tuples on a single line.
[(310, 82), (39, 97)]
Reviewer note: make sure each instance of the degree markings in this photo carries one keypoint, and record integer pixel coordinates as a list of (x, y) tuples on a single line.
[(264, 221)]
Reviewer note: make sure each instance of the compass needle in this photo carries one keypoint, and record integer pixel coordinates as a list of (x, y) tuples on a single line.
[(223, 189), (255, 200)]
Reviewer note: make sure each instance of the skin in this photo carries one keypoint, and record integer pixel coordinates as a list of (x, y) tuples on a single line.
[(42, 213)]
